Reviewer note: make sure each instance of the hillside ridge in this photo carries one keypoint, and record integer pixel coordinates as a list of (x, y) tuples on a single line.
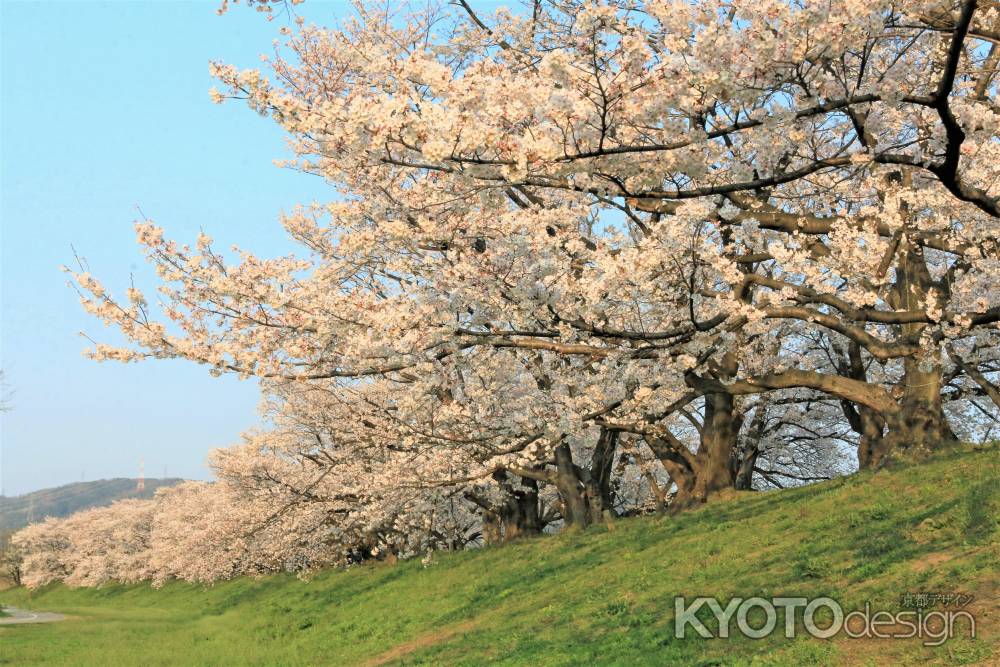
[(60, 501)]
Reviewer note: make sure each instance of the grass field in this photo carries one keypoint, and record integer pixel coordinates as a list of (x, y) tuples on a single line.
[(604, 596)]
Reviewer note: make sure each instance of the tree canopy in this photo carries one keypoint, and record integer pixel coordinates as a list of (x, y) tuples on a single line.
[(594, 258)]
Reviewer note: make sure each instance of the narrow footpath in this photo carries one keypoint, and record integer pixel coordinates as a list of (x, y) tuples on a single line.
[(18, 616)]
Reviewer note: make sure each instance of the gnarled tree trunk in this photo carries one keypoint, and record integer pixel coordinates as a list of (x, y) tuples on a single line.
[(521, 515), (516, 516), (746, 453), (920, 422), (714, 458), (698, 475), (586, 493), (865, 421)]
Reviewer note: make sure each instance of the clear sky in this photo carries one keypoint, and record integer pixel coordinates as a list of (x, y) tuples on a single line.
[(105, 107)]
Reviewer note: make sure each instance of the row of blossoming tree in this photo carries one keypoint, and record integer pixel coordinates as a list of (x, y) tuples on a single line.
[(589, 259)]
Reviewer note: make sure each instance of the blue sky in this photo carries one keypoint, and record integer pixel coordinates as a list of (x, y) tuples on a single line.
[(105, 107)]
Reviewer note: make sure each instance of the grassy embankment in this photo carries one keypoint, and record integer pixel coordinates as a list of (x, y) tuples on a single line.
[(604, 596)]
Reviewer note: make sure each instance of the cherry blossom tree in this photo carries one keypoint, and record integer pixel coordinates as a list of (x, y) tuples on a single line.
[(11, 561), (574, 240)]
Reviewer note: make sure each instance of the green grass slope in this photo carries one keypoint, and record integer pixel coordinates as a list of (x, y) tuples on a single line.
[(603, 596)]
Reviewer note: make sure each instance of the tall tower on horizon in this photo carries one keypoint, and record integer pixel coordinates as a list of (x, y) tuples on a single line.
[(142, 476)]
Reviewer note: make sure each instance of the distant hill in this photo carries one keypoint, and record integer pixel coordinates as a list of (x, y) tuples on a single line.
[(62, 501)]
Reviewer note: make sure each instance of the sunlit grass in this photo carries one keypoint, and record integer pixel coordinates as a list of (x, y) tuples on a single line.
[(603, 596)]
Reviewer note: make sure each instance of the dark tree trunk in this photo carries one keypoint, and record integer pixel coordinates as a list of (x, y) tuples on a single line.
[(744, 474), (681, 471), (492, 532), (698, 475), (745, 456), (574, 503), (586, 493), (520, 515), (920, 423), (713, 460), (872, 445), (517, 515), (866, 422)]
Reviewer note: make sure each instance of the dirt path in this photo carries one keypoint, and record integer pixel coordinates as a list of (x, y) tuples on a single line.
[(19, 616), (429, 639)]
